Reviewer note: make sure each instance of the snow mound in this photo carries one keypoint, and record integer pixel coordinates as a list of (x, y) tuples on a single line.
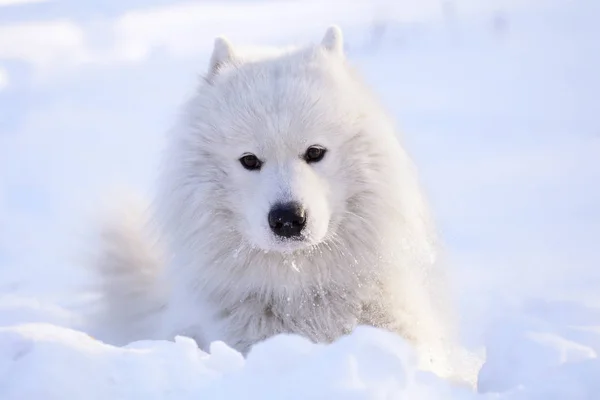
[(46, 361), (527, 358)]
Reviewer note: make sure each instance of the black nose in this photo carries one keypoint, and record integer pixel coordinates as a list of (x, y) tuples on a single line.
[(287, 220)]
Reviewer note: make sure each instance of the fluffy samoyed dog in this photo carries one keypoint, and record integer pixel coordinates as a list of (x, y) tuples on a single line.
[(286, 204)]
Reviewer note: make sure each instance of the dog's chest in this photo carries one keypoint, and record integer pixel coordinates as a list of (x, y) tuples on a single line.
[(321, 315)]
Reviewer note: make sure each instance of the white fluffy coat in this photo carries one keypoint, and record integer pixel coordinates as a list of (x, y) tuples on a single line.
[(209, 268)]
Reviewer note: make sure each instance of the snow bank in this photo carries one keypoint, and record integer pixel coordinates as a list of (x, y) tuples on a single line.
[(530, 357), (46, 361)]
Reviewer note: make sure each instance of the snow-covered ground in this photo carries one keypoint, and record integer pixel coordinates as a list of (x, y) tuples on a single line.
[(497, 100)]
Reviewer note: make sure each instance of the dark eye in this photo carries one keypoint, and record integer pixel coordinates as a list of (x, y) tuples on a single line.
[(250, 162), (314, 154)]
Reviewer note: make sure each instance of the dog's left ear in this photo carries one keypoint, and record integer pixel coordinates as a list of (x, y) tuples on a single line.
[(333, 40)]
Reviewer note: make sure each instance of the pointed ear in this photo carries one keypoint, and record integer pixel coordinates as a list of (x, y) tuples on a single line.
[(222, 54), (333, 40)]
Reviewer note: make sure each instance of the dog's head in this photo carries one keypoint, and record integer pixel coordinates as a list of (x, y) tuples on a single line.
[(281, 148)]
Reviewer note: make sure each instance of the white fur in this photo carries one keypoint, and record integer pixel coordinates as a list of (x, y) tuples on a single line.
[(368, 256), (222, 54), (333, 40)]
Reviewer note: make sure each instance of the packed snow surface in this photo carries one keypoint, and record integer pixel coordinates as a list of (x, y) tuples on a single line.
[(531, 357), (496, 100)]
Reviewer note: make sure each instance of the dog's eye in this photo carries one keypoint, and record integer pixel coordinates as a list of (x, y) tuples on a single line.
[(250, 162), (314, 154)]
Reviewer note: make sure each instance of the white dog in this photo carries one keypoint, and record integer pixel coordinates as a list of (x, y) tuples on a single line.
[(286, 205)]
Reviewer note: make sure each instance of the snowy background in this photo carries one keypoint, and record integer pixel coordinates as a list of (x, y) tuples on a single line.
[(498, 102)]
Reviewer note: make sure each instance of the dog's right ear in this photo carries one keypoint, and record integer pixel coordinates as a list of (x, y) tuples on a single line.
[(222, 54)]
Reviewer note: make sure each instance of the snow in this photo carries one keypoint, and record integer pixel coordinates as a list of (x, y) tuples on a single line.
[(524, 361), (370, 364), (497, 101)]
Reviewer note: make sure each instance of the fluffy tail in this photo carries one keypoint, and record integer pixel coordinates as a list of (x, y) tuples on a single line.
[(128, 263)]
